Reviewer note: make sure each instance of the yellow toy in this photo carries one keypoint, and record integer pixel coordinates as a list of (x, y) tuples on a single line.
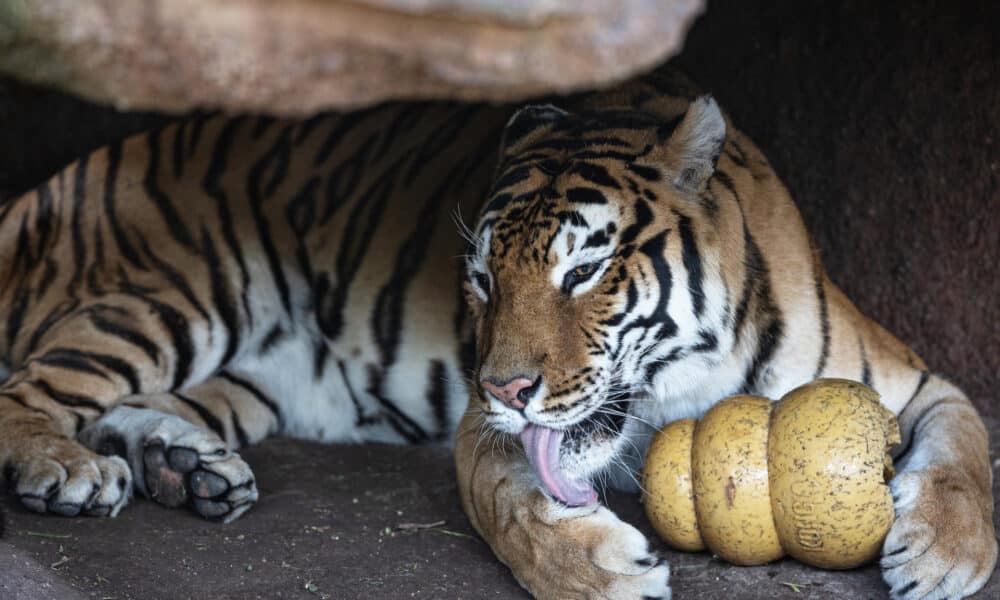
[(754, 480)]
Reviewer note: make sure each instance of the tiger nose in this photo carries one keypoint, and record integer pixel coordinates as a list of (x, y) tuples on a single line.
[(515, 393)]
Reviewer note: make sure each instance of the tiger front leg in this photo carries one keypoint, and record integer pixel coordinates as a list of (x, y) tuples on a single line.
[(553, 550), (943, 543), (67, 372)]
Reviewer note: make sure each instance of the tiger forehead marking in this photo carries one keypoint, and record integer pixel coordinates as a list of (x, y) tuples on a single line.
[(574, 258)]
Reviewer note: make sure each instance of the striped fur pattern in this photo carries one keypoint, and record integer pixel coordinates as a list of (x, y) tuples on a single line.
[(672, 269), (169, 299), (247, 275)]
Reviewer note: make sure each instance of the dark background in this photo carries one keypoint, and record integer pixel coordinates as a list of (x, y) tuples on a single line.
[(882, 118)]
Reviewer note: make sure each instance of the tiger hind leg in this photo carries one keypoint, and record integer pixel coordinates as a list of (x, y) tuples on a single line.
[(180, 447)]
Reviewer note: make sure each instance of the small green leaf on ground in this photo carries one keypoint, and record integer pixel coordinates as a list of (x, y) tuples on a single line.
[(42, 534), (418, 526), (796, 587), (452, 533)]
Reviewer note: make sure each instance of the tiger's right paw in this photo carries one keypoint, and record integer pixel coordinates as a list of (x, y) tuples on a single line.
[(54, 474), (558, 552), (176, 462)]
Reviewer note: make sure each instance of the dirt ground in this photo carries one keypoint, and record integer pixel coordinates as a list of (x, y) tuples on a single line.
[(883, 121)]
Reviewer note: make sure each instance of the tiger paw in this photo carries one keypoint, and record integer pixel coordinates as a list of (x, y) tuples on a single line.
[(582, 553), (175, 462), (50, 473), (942, 544)]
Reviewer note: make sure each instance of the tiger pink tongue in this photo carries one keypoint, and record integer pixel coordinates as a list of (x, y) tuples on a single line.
[(541, 444)]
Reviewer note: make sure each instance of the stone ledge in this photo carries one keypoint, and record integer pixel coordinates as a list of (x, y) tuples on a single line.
[(301, 56)]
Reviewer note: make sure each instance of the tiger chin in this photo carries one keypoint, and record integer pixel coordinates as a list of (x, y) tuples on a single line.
[(638, 260), (171, 298)]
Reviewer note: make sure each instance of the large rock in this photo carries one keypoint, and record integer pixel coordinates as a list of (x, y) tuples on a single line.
[(299, 56)]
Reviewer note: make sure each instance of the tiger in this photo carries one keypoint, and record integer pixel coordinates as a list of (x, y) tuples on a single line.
[(171, 298)]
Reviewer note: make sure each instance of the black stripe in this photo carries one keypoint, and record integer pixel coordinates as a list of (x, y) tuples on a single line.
[(708, 343), (275, 159), (727, 182), (437, 397), (67, 399), (361, 419), (924, 376), (178, 148), (753, 265), (306, 127), (196, 129), (321, 352), (510, 178), (48, 277), (17, 399), (904, 448), (241, 434), (76, 225), (364, 218), (131, 336), (258, 395), (178, 280), (824, 319), (55, 315), (178, 328), (111, 211), (213, 189), (597, 239), (344, 124), (206, 415), (655, 250), (178, 230), (767, 344), (582, 195), (596, 174), (342, 181), (64, 358), (692, 262), (43, 227), (261, 126), (866, 367), (95, 269), (387, 318), (643, 217), (404, 425), (222, 299), (301, 216), (24, 256), (16, 318), (645, 172), (71, 358), (273, 336), (443, 135)]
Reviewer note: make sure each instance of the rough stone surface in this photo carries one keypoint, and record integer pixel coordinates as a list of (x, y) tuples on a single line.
[(298, 56), (881, 118)]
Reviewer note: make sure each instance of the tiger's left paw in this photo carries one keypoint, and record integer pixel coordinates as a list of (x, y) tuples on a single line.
[(942, 544), (175, 462)]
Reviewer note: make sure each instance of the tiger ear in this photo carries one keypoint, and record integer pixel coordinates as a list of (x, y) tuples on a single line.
[(694, 146), (528, 124)]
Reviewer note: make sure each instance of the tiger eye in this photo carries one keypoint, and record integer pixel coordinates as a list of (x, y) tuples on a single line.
[(584, 270)]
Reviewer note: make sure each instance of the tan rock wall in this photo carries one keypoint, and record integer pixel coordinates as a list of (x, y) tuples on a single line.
[(300, 56)]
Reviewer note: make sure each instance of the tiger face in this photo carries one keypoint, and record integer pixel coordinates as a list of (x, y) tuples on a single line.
[(589, 283)]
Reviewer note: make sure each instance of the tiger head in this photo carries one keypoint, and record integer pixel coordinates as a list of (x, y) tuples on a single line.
[(590, 280)]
